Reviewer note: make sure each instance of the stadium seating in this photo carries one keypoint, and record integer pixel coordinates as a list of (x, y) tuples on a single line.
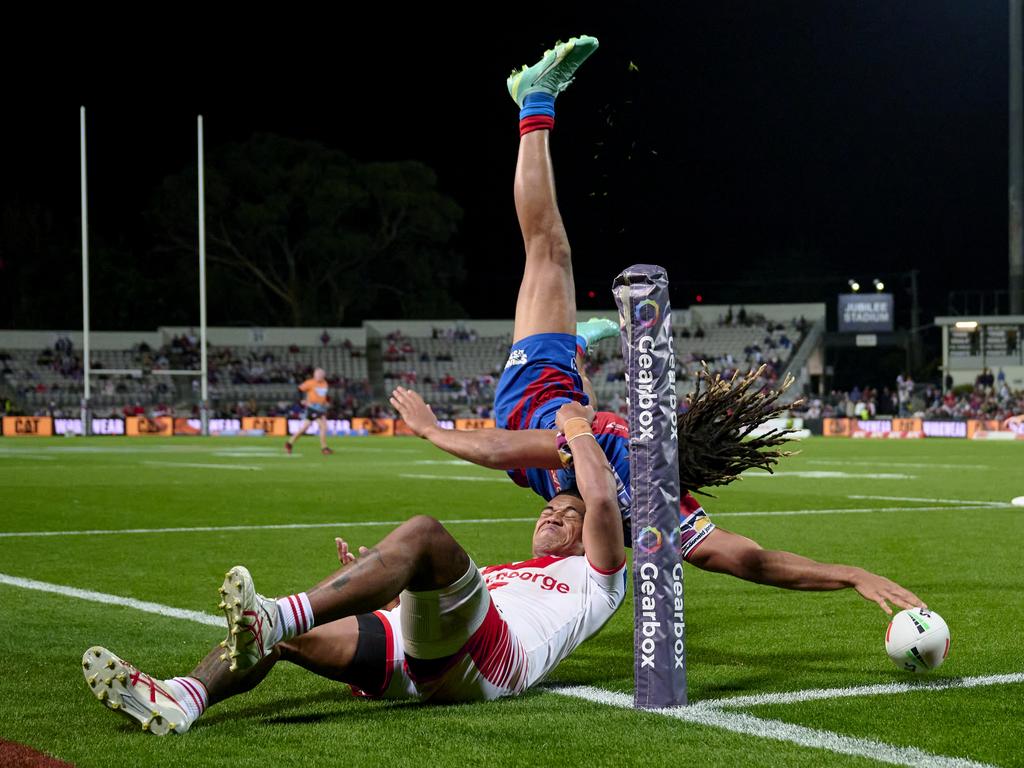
[(457, 373)]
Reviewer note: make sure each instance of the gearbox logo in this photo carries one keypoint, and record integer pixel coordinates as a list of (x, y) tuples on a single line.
[(650, 540), (647, 313)]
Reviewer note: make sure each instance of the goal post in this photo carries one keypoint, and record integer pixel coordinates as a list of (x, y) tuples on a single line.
[(659, 633)]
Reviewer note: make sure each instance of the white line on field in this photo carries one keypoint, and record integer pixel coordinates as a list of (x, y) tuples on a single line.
[(270, 527), (777, 730), (886, 689), (896, 464), (471, 478), (103, 597), (699, 714), (363, 523), (929, 500), (198, 465), (823, 474), (837, 511)]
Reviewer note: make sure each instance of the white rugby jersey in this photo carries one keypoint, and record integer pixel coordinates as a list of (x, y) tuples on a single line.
[(552, 604)]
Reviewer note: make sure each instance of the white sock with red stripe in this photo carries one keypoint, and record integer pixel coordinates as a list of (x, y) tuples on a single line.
[(191, 695), (296, 615)]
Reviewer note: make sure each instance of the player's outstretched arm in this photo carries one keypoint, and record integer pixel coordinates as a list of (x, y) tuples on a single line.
[(493, 448), (602, 522), (727, 552)]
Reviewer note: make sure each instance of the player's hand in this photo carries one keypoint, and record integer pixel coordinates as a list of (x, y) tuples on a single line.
[(573, 411), (345, 557), (413, 410), (881, 590)]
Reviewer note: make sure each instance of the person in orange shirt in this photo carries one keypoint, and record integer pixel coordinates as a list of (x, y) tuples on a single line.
[(315, 399)]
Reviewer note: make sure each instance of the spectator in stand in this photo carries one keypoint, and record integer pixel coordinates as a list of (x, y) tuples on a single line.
[(325, 338)]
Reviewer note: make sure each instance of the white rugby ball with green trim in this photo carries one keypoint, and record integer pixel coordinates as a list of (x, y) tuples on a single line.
[(917, 640)]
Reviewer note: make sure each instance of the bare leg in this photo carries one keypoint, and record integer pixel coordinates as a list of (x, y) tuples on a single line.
[(322, 421), (547, 294), (327, 650), (306, 424), (419, 555)]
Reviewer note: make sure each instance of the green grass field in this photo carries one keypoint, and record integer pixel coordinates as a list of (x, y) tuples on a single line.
[(950, 536)]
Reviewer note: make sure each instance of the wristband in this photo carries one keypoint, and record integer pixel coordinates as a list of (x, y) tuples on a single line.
[(572, 430)]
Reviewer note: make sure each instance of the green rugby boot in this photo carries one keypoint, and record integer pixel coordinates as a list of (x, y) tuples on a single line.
[(553, 73), (596, 329)]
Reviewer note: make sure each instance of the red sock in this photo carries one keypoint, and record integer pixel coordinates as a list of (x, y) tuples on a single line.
[(535, 123)]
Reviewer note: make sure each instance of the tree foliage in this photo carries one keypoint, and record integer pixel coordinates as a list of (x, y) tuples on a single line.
[(301, 234)]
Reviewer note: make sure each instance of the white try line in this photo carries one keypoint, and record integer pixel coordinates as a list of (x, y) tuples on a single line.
[(883, 689), (198, 465), (974, 502), (700, 714), (269, 527), (777, 730)]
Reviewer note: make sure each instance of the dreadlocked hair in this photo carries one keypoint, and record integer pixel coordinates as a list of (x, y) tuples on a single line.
[(715, 446)]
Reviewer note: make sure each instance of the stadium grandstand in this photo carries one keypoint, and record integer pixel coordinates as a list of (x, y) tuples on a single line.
[(454, 364)]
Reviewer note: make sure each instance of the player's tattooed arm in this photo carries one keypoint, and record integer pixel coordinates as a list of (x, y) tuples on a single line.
[(493, 448)]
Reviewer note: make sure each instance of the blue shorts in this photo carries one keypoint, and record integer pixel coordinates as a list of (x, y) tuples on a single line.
[(539, 378), (314, 412)]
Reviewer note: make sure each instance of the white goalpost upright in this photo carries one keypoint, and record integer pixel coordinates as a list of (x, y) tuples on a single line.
[(203, 403), (87, 360), (85, 279)]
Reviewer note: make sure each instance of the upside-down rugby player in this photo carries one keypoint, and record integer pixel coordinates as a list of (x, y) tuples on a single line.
[(458, 634), (544, 371)]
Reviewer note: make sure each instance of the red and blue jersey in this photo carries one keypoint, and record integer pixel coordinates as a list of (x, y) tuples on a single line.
[(541, 376)]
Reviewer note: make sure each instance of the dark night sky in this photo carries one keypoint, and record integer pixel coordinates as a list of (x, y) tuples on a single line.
[(762, 150)]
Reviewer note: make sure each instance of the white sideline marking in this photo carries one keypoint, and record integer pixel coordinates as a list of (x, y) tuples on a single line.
[(198, 465), (17, 455), (700, 714), (364, 523), (269, 527), (885, 689), (931, 501), (103, 597), (471, 478), (912, 465), (823, 474), (837, 511), (777, 730)]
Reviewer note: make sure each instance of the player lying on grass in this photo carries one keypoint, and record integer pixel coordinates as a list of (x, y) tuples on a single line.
[(315, 399), (544, 371), (458, 634)]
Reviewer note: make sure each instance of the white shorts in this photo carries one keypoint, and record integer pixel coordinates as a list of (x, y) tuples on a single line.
[(451, 645)]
